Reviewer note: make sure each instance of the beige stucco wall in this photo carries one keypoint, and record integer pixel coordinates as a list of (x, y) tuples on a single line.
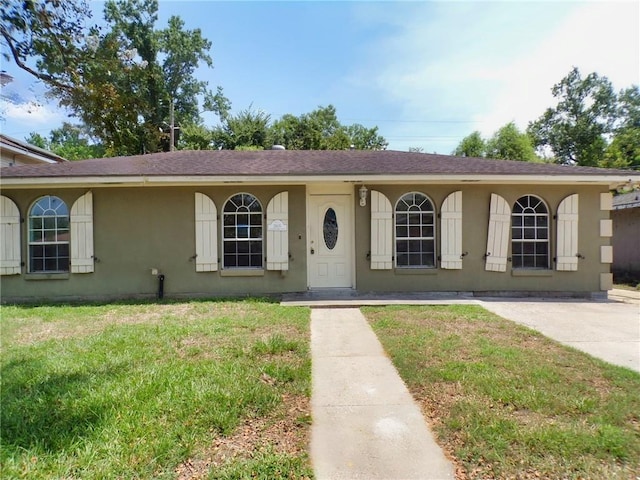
[(475, 215), (137, 229)]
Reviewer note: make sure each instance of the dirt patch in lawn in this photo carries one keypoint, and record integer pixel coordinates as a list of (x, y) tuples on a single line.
[(284, 432), (38, 329)]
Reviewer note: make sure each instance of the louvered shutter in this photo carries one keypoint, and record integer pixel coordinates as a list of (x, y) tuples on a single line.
[(451, 232), (567, 241), (381, 232), (498, 236), (9, 237), (82, 234), (278, 232), (206, 234)]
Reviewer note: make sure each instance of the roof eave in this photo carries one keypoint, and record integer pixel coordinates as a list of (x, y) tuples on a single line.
[(611, 181)]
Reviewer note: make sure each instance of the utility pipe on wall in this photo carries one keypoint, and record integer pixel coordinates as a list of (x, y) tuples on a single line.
[(160, 286)]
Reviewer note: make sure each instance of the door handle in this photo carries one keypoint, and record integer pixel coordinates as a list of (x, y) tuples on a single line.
[(312, 251)]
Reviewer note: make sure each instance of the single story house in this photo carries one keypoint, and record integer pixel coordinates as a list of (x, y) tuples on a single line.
[(626, 235), (215, 223), (16, 152)]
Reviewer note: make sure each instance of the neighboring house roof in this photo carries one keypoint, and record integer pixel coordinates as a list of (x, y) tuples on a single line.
[(25, 152), (626, 200), (305, 165)]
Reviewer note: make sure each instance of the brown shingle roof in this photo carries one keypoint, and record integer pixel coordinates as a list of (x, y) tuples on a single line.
[(296, 163)]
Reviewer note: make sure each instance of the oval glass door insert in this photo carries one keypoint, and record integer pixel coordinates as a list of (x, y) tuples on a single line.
[(330, 228)]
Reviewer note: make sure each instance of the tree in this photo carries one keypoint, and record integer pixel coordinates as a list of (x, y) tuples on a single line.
[(47, 32), (508, 143), (69, 141), (248, 128), (195, 136), (321, 130), (317, 130), (576, 128), (471, 146), (121, 80), (363, 138), (624, 149), (253, 130)]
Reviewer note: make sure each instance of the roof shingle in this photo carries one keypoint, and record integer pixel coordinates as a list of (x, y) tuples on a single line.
[(296, 162)]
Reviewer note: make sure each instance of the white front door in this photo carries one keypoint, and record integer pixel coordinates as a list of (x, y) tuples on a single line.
[(330, 241)]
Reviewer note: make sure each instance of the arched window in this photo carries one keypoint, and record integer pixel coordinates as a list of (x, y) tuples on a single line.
[(415, 231), (49, 235), (242, 232), (530, 233)]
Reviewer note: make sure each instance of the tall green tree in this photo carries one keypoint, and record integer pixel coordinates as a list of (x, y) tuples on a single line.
[(509, 143), (624, 149), (195, 136), (69, 141), (473, 145), (363, 138), (46, 33), (576, 128), (121, 79), (246, 129), (320, 129)]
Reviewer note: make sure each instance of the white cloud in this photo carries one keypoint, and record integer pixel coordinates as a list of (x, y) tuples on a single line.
[(490, 63), (31, 112), (597, 37)]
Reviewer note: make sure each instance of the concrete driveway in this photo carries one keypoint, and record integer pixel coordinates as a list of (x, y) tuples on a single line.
[(609, 330)]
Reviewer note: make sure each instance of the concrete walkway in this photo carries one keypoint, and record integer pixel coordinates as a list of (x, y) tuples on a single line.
[(366, 425)]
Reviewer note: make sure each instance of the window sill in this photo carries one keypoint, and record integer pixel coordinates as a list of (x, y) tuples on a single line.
[(47, 276), (524, 272), (242, 272), (416, 271)]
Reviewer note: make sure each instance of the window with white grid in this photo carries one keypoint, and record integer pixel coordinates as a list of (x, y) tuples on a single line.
[(530, 233), (48, 235), (242, 232), (415, 231)]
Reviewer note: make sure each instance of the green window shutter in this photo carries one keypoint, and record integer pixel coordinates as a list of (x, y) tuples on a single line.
[(81, 219), (206, 234), (9, 237)]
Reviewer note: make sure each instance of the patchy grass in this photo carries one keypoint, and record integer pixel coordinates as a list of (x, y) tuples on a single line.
[(506, 402), (177, 390), (633, 286)]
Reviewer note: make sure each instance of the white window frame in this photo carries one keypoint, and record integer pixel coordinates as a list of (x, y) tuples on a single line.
[(31, 219), (413, 208), (230, 223), (530, 212)]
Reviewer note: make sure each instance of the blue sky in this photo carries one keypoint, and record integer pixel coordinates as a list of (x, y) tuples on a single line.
[(426, 73)]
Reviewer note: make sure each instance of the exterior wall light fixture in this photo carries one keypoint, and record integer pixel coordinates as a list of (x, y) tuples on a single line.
[(363, 196)]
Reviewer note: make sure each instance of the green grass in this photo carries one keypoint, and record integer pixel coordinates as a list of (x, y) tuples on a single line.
[(140, 391), (507, 402)]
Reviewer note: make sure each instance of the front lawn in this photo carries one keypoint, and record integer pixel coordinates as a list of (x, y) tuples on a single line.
[(506, 402), (176, 390)]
